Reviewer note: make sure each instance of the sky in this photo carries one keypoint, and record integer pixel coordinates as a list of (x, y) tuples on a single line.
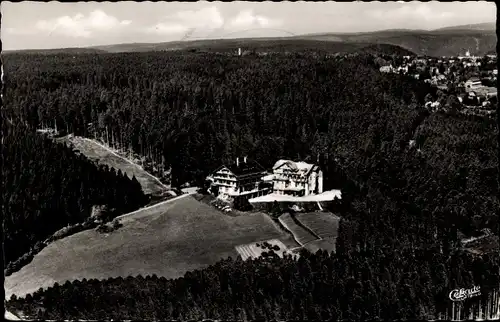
[(42, 25)]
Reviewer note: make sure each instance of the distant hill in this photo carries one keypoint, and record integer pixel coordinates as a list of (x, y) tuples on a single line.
[(68, 51), (479, 39), (488, 26), (387, 49), (284, 44)]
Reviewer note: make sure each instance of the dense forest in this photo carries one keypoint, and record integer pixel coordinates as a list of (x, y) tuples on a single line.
[(46, 186), (406, 204), (369, 285), (194, 111)]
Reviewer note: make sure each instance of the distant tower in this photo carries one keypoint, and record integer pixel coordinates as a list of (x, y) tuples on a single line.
[(467, 54), (239, 51)]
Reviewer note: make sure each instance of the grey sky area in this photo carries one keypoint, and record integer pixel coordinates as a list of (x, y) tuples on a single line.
[(58, 25)]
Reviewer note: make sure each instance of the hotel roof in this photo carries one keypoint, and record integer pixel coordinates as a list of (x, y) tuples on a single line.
[(297, 166), (243, 168)]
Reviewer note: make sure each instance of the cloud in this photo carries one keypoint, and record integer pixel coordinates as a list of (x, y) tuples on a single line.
[(407, 11), (17, 31), (208, 22), (247, 19), (182, 21), (80, 25)]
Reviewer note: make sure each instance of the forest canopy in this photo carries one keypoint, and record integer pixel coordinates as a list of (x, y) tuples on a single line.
[(196, 111), (46, 187)]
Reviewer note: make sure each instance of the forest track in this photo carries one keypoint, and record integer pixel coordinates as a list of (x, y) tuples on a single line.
[(127, 160)]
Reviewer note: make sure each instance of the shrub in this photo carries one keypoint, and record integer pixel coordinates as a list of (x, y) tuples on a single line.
[(39, 246), (103, 228), (61, 232), (116, 224)]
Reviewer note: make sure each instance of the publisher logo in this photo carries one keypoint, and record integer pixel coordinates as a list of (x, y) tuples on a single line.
[(463, 294)]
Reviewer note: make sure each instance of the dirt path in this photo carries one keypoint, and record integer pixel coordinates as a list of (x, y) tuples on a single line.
[(153, 206)]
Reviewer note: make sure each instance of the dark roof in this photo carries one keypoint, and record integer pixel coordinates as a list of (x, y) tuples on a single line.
[(245, 168)]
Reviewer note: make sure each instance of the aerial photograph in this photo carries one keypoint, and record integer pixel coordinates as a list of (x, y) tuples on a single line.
[(240, 161)]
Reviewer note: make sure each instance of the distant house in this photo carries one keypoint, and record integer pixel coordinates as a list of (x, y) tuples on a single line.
[(486, 92), (403, 69), (240, 179), (432, 105), (387, 69), (473, 83), (296, 178)]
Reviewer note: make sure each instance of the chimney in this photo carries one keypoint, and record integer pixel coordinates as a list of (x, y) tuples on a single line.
[(237, 162), (245, 159)]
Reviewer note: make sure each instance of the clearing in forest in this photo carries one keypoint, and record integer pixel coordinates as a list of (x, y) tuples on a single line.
[(177, 237), (97, 152)]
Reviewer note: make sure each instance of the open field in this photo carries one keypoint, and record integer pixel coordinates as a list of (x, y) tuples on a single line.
[(300, 234), (97, 152), (323, 224), (254, 251), (176, 237)]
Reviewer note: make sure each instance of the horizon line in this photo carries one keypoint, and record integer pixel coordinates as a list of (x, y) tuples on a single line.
[(291, 35)]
